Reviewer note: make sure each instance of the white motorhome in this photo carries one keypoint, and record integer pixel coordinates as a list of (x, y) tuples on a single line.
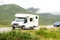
[(25, 21)]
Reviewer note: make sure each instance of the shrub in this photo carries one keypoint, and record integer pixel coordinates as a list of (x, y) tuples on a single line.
[(48, 34), (17, 35)]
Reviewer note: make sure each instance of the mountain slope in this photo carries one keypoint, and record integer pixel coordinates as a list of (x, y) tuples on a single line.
[(48, 19), (8, 11)]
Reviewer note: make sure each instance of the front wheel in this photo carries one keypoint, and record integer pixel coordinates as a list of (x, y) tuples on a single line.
[(23, 27), (31, 28), (13, 27)]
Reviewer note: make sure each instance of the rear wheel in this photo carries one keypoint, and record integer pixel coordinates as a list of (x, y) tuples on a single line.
[(57, 25), (34, 26)]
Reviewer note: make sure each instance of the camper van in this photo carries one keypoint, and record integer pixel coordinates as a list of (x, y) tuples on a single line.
[(25, 21)]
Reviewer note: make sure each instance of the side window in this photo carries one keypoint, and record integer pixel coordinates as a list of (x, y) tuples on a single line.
[(31, 19), (36, 17)]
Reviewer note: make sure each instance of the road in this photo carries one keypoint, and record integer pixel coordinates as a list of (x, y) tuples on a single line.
[(6, 29), (47, 26)]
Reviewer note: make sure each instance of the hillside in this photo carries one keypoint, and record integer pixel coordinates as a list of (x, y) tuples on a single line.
[(8, 11), (48, 19)]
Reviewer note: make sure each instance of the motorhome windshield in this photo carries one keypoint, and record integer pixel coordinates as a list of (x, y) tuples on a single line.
[(19, 20)]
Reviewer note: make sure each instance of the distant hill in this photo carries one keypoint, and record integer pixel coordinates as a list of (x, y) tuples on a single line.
[(8, 11), (48, 19)]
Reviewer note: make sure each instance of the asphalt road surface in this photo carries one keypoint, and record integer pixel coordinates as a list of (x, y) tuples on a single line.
[(7, 29)]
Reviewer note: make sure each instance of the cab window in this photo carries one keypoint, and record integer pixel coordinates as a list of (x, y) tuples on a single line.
[(25, 21)]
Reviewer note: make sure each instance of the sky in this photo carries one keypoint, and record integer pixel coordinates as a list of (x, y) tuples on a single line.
[(51, 6)]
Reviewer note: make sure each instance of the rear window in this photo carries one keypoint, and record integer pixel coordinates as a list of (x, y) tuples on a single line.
[(36, 17), (31, 19)]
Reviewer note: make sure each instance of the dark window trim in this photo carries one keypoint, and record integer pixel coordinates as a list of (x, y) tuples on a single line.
[(36, 17), (31, 19)]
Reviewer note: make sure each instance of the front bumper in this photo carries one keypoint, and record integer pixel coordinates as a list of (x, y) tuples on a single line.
[(18, 26)]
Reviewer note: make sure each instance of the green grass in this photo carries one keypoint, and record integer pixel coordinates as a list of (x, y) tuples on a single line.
[(41, 34), (17, 35), (5, 25), (49, 34)]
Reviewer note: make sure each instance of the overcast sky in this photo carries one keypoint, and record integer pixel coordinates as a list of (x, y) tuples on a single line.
[(44, 5)]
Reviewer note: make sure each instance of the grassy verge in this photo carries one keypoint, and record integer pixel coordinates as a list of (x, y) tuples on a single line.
[(48, 34), (18, 35), (41, 34), (5, 25), (45, 34)]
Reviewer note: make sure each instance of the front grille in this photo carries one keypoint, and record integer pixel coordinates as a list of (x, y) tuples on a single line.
[(15, 24)]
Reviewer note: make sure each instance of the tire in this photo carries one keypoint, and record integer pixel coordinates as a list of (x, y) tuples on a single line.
[(57, 25), (34, 26), (31, 28), (13, 27), (23, 27), (54, 25)]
